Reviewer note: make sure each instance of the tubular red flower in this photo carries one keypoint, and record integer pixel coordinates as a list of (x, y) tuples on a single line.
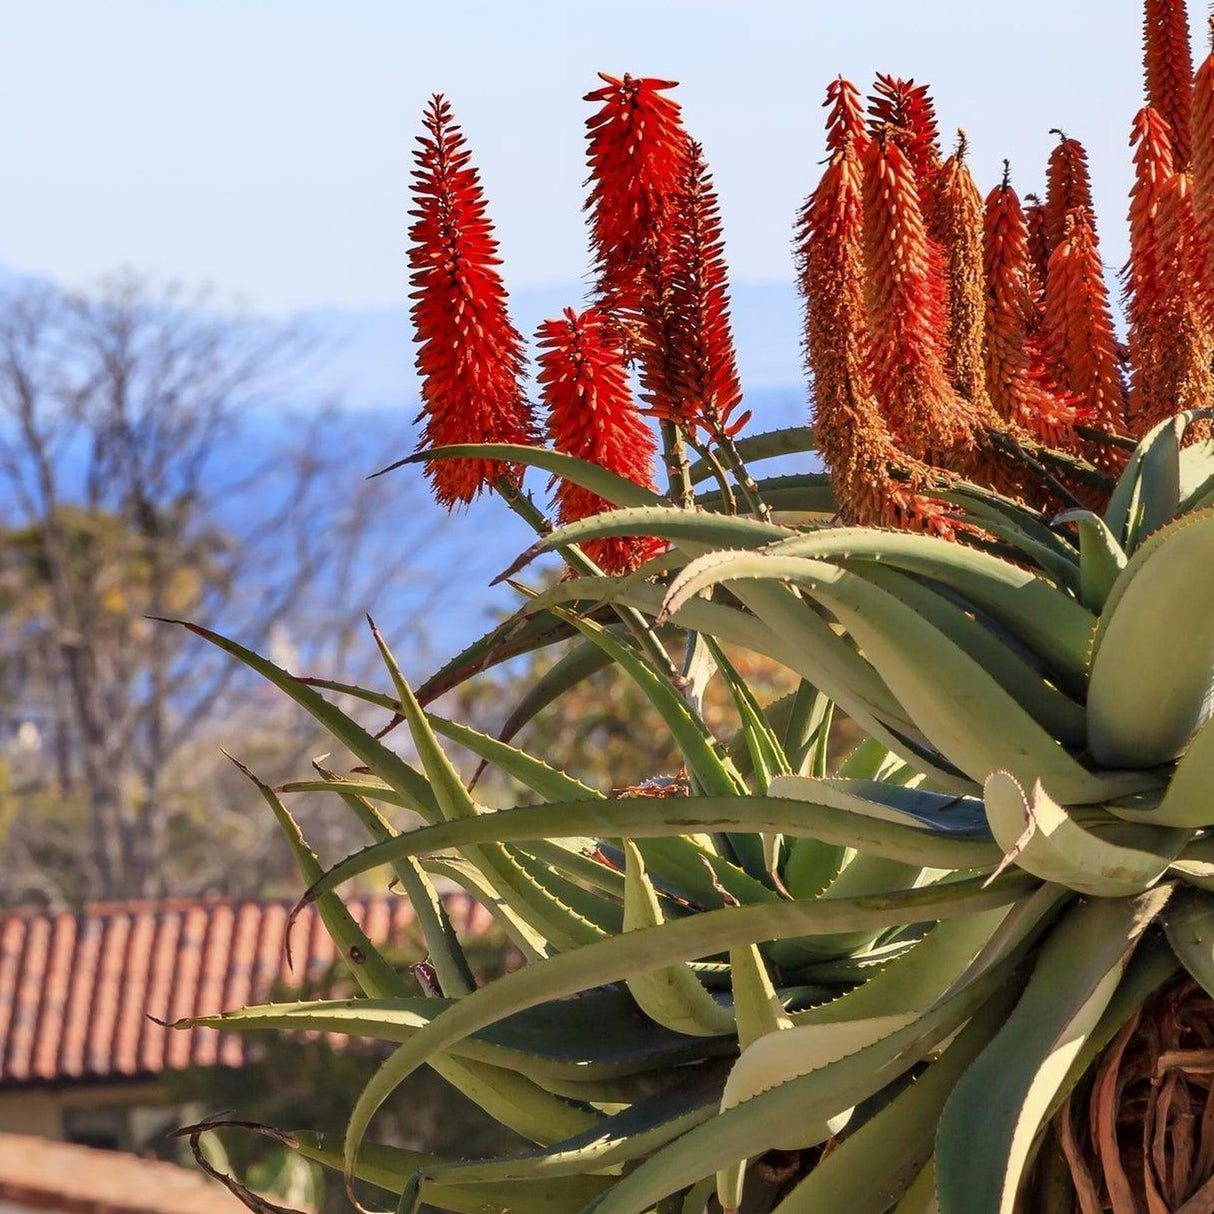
[(1079, 328), (907, 319), (688, 363), (1168, 72), (636, 151), (846, 118), (1015, 371), (907, 109), (591, 414), (1039, 252), (470, 357), (1068, 185)]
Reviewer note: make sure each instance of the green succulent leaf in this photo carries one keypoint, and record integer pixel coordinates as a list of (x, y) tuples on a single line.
[(874, 1166), (1041, 837), (1190, 929), (965, 712), (1152, 684), (986, 1132), (618, 958)]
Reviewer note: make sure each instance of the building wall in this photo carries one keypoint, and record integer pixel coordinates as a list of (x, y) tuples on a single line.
[(86, 1114)]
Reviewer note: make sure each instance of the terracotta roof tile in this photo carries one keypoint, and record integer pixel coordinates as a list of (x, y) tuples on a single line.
[(77, 990)]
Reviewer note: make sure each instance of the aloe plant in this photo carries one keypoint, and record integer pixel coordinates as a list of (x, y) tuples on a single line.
[(766, 984)]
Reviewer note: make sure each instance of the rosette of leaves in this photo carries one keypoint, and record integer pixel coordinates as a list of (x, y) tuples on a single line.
[(914, 959)]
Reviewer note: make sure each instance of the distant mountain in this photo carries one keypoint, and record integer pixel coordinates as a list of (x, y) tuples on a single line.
[(367, 354)]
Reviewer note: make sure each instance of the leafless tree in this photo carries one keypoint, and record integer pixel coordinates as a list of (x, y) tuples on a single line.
[(133, 484)]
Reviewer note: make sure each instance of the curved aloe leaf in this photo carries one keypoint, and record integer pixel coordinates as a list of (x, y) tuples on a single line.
[(771, 444), (618, 490), (831, 817), (875, 1165), (1187, 800), (1190, 929), (747, 1129), (697, 745), (1151, 685), (990, 1121), (1048, 621), (671, 996), (384, 762), (1041, 837), (617, 958), (390, 1169), (573, 668), (1101, 557), (967, 715)]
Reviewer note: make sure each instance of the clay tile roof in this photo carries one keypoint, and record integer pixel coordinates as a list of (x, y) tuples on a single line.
[(40, 1175), (77, 989)]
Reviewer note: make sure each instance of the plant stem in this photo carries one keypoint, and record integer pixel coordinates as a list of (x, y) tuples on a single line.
[(522, 505)]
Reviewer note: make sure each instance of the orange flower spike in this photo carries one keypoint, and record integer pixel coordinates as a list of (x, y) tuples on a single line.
[(1202, 171), (907, 109), (958, 215), (908, 324), (1079, 329), (1176, 373), (1147, 289), (851, 434), (470, 357), (1068, 185), (1038, 252), (846, 118), (1015, 375), (1168, 72), (592, 415), (636, 152), (699, 381)]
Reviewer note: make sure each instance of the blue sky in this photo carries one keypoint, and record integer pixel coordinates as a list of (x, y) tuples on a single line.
[(263, 145)]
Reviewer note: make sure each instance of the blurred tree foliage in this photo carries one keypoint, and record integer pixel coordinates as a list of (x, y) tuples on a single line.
[(149, 469)]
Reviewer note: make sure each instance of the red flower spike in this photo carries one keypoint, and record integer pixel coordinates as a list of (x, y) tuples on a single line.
[(846, 118), (1079, 329), (907, 319), (591, 414), (1015, 371), (1039, 252), (1068, 185), (470, 357), (851, 433), (636, 152), (907, 110), (1168, 72), (1170, 340), (688, 363)]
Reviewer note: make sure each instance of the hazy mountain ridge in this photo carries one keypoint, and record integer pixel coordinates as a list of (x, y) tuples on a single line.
[(366, 355)]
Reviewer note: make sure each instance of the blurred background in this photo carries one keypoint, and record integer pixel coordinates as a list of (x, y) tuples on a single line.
[(204, 350)]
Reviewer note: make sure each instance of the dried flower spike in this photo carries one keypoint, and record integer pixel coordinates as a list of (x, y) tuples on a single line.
[(470, 357)]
